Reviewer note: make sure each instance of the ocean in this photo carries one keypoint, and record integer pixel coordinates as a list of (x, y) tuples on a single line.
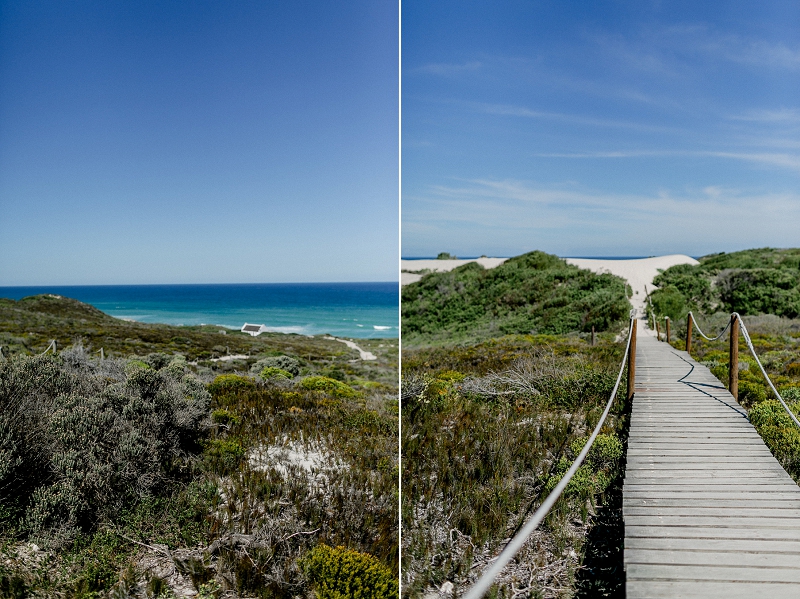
[(365, 310)]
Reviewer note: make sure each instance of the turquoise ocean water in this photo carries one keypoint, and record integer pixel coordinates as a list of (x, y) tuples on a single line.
[(366, 310)]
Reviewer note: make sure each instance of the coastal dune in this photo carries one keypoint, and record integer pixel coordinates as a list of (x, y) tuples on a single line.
[(639, 272)]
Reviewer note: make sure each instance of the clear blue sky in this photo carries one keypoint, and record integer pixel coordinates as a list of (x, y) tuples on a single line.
[(600, 128), (199, 142)]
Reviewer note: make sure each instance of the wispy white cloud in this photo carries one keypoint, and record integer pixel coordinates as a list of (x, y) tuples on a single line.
[(781, 160), (511, 216), (700, 38), (522, 111), (447, 69), (780, 116)]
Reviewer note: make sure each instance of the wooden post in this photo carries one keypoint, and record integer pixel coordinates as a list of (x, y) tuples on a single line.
[(102, 354), (592, 335), (667, 320), (689, 333), (658, 330), (733, 358), (632, 361)]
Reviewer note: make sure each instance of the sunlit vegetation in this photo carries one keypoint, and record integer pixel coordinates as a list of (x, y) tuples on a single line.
[(489, 428), (532, 293), (750, 282), (158, 474)]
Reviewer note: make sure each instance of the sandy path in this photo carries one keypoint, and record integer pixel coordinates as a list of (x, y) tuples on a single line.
[(223, 359), (365, 355)]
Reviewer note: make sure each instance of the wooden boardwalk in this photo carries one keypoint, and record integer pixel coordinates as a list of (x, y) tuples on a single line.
[(708, 511)]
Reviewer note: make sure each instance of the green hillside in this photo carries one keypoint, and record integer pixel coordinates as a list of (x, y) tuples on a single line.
[(758, 281), (534, 292)]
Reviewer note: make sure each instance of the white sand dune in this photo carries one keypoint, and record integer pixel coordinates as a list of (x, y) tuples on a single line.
[(639, 273), (410, 267)]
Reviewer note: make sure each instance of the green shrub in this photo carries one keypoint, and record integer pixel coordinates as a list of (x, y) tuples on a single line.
[(286, 363), (224, 455), (690, 281), (224, 417), (451, 375), (227, 384), (669, 302), (271, 372), (751, 393), (761, 291), (81, 439), (790, 394), (328, 385), (135, 363), (531, 292), (341, 573), (157, 360)]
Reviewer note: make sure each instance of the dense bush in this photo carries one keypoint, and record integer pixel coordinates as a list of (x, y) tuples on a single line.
[(762, 281), (328, 385), (779, 432), (668, 301), (271, 372), (230, 384), (688, 280), (532, 292), (761, 291), (341, 573), (286, 363), (81, 438), (751, 393)]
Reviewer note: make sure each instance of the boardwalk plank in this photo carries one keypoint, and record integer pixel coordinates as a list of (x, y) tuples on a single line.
[(708, 510)]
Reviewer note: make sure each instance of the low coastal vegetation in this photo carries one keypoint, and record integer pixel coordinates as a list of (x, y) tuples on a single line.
[(489, 428), (750, 282), (501, 386), (533, 293), (162, 471)]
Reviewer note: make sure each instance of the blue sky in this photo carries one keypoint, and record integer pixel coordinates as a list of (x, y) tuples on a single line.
[(600, 129), (202, 142)]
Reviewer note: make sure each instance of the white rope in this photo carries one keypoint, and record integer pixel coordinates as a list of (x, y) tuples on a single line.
[(514, 545), (702, 334), (764, 372), (52, 344)]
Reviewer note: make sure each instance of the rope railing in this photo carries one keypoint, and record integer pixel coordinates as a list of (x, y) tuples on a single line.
[(51, 346), (703, 335), (735, 316), (514, 545)]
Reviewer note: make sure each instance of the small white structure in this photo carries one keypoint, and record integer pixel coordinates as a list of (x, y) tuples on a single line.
[(253, 329)]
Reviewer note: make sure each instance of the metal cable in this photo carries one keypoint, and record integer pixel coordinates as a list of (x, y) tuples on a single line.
[(514, 545), (702, 334), (746, 336)]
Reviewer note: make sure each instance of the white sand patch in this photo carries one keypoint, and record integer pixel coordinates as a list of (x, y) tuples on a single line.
[(314, 459), (222, 359), (364, 355), (639, 273), (409, 268)]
